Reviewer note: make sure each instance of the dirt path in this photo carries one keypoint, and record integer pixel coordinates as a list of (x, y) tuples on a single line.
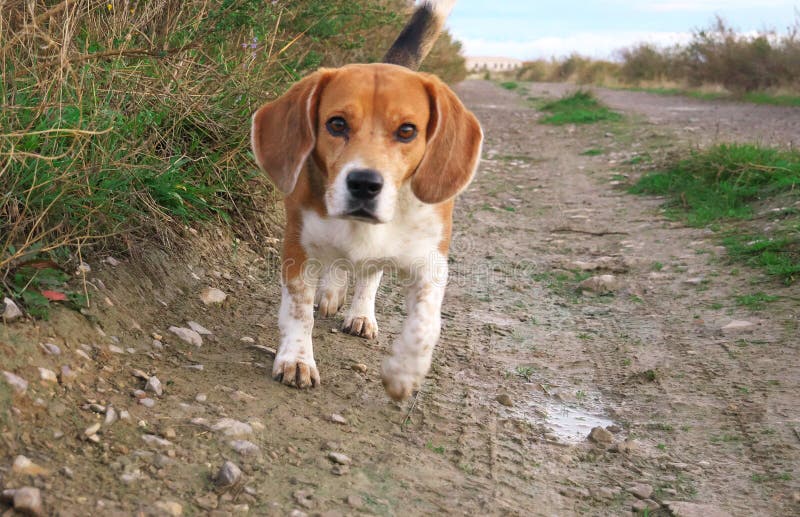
[(696, 415)]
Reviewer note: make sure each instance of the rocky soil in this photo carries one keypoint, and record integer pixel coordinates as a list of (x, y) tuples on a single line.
[(593, 361)]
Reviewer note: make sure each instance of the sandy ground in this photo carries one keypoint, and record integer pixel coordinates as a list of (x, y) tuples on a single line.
[(702, 421)]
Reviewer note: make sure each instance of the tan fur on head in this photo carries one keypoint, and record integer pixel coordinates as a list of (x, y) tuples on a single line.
[(375, 100)]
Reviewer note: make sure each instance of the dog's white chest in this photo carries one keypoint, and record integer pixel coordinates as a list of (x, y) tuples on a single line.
[(413, 234)]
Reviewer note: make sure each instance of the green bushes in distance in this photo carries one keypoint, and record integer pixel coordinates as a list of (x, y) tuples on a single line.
[(764, 68)]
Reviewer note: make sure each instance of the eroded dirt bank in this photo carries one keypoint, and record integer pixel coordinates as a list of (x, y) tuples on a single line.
[(696, 414)]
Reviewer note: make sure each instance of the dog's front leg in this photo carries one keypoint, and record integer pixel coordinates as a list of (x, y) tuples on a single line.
[(294, 364), (412, 351)]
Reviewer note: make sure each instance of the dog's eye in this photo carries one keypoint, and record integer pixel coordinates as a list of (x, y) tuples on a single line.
[(406, 133), (337, 126)]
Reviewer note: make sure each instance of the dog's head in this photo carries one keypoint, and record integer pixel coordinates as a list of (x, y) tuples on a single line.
[(370, 130)]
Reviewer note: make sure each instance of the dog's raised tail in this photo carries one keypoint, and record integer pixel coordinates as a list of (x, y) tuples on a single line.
[(420, 33)]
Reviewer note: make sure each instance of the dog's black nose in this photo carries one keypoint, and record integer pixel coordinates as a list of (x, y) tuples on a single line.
[(364, 184)]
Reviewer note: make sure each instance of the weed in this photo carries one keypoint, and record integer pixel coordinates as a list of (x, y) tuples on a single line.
[(592, 152), (510, 85), (580, 107), (661, 446), (525, 372), (657, 266), (437, 449), (756, 301), (722, 185)]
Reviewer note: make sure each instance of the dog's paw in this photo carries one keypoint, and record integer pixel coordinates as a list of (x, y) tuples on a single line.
[(362, 326), (329, 301), (399, 380), (296, 372)]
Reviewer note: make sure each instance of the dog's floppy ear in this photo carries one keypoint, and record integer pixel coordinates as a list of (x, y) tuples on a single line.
[(453, 149), (283, 133)]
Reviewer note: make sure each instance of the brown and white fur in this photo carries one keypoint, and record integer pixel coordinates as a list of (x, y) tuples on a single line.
[(370, 157)]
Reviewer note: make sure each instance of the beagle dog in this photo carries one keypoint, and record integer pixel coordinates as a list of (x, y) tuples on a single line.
[(370, 158)]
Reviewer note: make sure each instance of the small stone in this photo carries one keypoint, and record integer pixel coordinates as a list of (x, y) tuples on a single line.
[(604, 493), (641, 490), (10, 311), (68, 472), (83, 268), (187, 335), (687, 509), (51, 348), (23, 465), (97, 408), (47, 375), (208, 501), (354, 501), (228, 475), (198, 328), (643, 505), (111, 261), (124, 415), (201, 397), (304, 498), (212, 295), (169, 433), (147, 402), (17, 383), (28, 500), (601, 284), (574, 492), (338, 457), (111, 416), (157, 344), (694, 281), (340, 470), (245, 448), (505, 400), (154, 386), (92, 429), (232, 428), (67, 376), (247, 339), (151, 439), (600, 435), (114, 349), (360, 367), (171, 508), (338, 419), (139, 394), (738, 326)]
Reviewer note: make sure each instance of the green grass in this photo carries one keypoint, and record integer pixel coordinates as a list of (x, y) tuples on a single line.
[(756, 301), (754, 97), (724, 185), (592, 152), (510, 85), (578, 108)]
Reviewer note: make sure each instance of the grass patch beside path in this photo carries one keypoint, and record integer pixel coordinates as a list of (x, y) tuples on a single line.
[(754, 97), (727, 183), (578, 108)]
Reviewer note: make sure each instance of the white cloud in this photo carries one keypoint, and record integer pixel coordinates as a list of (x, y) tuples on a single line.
[(591, 44), (706, 5)]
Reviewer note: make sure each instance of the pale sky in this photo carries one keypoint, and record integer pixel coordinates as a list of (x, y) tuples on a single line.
[(527, 29)]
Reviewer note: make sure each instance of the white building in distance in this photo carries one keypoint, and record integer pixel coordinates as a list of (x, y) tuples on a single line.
[(492, 64)]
